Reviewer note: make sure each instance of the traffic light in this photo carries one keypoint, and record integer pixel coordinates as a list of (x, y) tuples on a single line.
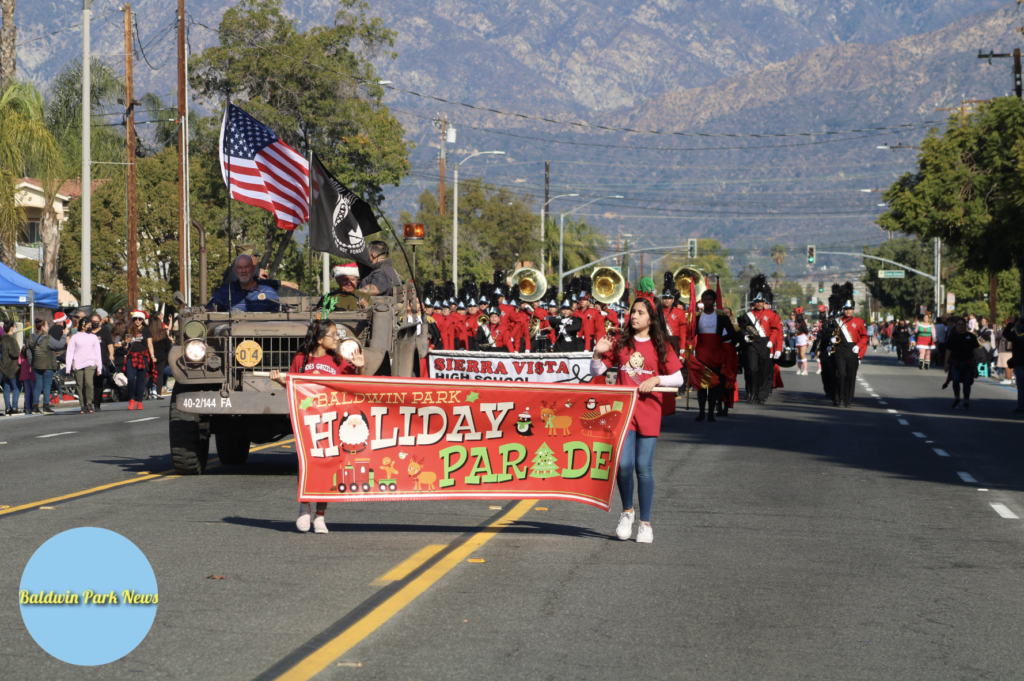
[(810, 255), (691, 247), (821, 287)]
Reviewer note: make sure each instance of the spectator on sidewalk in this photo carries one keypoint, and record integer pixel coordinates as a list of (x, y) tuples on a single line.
[(85, 359), (9, 352), (942, 329), (162, 345), (1003, 353), (47, 342), (1014, 333), (26, 377)]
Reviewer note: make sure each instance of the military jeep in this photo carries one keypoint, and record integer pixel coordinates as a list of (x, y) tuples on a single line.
[(223, 360)]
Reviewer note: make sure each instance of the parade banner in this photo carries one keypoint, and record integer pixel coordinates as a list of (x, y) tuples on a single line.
[(546, 367), (386, 439)]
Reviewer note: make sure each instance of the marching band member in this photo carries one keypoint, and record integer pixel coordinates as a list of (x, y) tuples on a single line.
[(851, 344), (494, 336), (714, 331), (764, 335), (472, 322), (568, 326), (675, 315), (461, 327), (541, 341), (592, 322)]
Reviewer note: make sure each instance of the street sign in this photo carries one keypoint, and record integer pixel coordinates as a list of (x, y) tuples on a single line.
[(951, 299), (792, 301), (891, 274)]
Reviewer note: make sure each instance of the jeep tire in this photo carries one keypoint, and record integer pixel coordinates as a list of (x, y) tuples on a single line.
[(190, 437), (232, 450)]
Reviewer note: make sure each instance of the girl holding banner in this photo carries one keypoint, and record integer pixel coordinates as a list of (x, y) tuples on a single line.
[(644, 359), (321, 353)]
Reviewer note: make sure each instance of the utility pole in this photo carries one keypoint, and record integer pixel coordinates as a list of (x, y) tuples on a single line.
[(547, 198), (1018, 88), (86, 288), (993, 282), (963, 114), (130, 199), (442, 123), (184, 261)]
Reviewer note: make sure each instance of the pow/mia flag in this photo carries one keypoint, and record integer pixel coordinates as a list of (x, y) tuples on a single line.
[(339, 221)]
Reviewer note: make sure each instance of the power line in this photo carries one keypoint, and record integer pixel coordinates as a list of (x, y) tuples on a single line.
[(47, 35)]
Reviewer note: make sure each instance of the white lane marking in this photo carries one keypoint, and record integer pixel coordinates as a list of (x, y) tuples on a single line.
[(983, 489), (903, 422), (1003, 511), (148, 418), (966, 477), (940, 452), (916, 434), (40, 437), (883, 402), (892, 411)]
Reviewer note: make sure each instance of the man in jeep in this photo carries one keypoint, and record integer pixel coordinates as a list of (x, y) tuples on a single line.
[(248, 294)]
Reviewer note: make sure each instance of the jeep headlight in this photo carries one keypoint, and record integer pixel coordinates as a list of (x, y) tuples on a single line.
[(195, 350)]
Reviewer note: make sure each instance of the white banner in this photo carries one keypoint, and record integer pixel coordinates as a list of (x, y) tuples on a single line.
[(537, 367)]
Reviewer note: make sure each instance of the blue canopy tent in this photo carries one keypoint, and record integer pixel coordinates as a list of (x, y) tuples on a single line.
[(14, 290)]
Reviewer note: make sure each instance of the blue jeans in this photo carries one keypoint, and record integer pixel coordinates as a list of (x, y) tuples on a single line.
[(137, 379), (637, 454), (44, 379), (28, 389), (1018, 373), (10, 385)]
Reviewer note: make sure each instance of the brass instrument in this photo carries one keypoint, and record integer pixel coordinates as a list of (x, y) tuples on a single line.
[(609, 285), (682, 277), (532, 284), (482, 320), (534, 327)]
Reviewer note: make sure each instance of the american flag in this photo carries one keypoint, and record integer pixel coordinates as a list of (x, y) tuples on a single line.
[(265, 172)]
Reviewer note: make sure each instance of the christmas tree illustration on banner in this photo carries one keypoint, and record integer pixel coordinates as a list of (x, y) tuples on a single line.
[(544, 464)]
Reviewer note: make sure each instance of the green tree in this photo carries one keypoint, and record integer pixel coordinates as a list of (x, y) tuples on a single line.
[(317, 90), (901, 296), (712, 260), (23, 134), (544, 464), (581, 243), (497, 228), (62, 114), (967, 188)]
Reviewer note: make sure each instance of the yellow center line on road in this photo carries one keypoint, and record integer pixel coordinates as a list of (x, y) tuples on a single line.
[(142, 478), (319, 659), (403, 569)]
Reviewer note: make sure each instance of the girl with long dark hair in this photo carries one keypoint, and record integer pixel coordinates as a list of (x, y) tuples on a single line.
[(321, 353), (644, 359), (139, 359)]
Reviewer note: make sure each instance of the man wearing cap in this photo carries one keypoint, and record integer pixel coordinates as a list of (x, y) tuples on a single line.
[(347, 297), (382, 279), (461, 326), (853, 343), (247, 294)]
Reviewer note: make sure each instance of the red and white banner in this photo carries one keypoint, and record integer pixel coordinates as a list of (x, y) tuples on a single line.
[(525, 367), (387, 439)]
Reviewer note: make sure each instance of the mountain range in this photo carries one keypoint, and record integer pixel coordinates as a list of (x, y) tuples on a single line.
[(691, 68)]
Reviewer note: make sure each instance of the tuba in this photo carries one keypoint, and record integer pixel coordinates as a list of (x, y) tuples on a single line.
[(482, 320), (683, 276), (532, 284), (609, 285)]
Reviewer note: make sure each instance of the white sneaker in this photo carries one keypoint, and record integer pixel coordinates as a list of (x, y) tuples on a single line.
[(302, 522), (645, 535), (624, 530), (319, 524)]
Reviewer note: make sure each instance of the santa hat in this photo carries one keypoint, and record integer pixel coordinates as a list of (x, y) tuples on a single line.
[(139, 314), (59, 318), (348, 269)]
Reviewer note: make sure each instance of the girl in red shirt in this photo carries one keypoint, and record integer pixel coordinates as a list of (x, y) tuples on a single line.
[(320, 354), (644, 359)]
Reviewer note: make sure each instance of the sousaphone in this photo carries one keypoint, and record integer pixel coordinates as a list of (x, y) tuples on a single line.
[(609, 285), (532, 284), (682, 277)]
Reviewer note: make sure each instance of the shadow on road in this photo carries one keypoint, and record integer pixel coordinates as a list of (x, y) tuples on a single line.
[(519, 527)]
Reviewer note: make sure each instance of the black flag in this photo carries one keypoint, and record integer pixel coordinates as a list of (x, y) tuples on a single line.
[(339, 221)]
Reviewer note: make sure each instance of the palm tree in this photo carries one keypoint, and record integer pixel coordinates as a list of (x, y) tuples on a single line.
[(62, 115), (23, 134), (8, 38), (581, 245)]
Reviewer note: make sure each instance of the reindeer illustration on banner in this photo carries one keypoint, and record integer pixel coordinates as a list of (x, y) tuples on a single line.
[(553, 422)]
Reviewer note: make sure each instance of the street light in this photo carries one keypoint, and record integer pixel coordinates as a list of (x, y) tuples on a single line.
[(455, 216), (561, 234), (542, 209)]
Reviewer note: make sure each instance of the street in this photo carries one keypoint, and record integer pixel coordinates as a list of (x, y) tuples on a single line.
[(792, 540)]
